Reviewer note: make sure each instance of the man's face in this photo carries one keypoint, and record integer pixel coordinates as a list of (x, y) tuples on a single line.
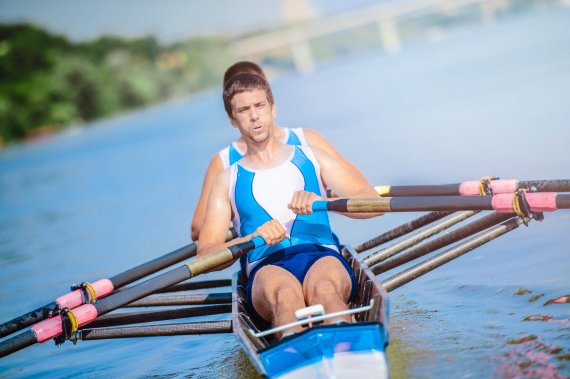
[(253, 115)]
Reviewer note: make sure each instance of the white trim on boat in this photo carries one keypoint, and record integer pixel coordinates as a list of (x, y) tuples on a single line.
[(313, 320)]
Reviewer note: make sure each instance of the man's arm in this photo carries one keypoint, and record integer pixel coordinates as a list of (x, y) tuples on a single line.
[(316, 140), (216, 218), (215, 168), (218, 215)]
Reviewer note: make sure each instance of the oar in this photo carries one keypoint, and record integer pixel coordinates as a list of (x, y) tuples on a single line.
[(197, 285), (430, 264), (114, 319), (69, 322), (417, 237), (456, 235), (475, 187), (192, 299), (506, 203), (90, 292), (401, 230), (188, 328)]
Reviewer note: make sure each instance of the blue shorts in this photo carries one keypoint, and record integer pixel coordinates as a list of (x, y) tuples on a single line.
[(298, 260)]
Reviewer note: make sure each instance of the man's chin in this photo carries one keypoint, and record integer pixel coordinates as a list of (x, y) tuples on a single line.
[(260, 138)]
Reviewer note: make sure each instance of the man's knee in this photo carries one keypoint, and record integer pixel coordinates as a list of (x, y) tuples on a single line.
[(325, 288), (286, 295)]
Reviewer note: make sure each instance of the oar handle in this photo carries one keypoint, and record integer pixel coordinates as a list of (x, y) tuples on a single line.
[(320, 206), (258, 242)]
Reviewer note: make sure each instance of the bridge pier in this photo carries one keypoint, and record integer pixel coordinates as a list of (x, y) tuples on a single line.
[(303, 57), (389, 35)]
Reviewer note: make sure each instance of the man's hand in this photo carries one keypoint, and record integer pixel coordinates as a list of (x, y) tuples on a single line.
[(272, 232), (302, 202)]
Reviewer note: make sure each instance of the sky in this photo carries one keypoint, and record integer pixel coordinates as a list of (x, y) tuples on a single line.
[(168, 20)]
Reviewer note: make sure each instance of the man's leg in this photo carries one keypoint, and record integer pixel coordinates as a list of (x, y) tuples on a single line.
[(276, 295), (327, 282)]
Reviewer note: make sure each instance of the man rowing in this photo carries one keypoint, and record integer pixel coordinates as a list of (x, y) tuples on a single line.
[(269, 193), (237, 149)]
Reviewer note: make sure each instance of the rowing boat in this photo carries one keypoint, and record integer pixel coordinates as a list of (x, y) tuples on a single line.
[(354, 349)]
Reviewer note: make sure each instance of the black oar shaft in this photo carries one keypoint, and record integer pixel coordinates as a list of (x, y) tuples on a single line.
[(27, 319), (430, 264), (155, 265), (558, 185), (424, 190), (420, 204), (419, 236), (19, 342), (114, 319), (193, 299), (435, 244), (197, 285), (206, 327), (401, 230), (129, 295)]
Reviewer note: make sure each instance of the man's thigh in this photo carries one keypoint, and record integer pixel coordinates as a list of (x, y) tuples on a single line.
[(328, 269), (268, 283)]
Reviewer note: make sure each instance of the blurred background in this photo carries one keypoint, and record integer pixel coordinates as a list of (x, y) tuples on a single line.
[(64, 63), (111, 110)]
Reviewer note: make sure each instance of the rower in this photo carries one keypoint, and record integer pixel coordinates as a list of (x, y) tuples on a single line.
[(270, 192), (237, 149)]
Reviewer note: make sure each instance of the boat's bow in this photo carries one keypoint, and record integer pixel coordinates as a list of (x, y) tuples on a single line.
[(324, 351)]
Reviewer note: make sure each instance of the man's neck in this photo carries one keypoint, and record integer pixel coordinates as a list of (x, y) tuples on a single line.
[(267, 154)]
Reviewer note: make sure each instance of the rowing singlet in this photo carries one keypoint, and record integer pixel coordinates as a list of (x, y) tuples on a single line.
[(231, 154), (258, 196)]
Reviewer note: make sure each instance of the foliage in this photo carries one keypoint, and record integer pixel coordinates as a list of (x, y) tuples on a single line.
[(49, 82)]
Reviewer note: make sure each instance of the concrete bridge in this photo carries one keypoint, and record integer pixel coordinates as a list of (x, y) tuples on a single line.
[(296, 37)]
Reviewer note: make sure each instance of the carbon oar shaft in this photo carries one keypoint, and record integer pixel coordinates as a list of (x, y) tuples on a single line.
[(401, 230), (558, 185), (418, 237), (84, 314), (114, 319), (197, 285), (191, 328), (435, 244), (505, 203), (193, 299), (430, 264), (474, 188)]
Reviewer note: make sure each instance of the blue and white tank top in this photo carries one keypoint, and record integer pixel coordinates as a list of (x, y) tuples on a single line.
[(231, 154), (258, 196)]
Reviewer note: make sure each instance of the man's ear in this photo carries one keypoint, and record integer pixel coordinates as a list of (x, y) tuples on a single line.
[(233, 122), (273, 110)]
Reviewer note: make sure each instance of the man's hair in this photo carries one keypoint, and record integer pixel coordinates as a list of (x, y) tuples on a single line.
[(242, 83), (243, 67)]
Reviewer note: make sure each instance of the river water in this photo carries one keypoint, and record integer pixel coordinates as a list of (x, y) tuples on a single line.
[(488, 99)]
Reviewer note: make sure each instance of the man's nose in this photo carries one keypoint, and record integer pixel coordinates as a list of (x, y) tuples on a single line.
[(253, 114)]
